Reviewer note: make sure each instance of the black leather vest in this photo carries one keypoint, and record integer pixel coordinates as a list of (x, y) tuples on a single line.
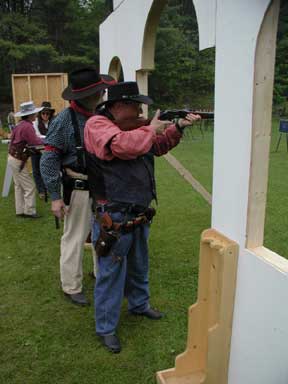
[(125, 181)]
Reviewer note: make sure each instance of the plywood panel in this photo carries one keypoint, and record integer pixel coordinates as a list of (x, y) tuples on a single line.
[(39, 87), (54, 84), (20, 91)]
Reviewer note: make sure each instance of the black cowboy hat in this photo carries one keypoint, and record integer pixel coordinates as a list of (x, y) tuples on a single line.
[(126, 91), (47, 105), (86, 82)]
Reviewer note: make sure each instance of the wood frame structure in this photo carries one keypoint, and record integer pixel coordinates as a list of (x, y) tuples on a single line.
[(39, 87), (245, 56), (210, 318)]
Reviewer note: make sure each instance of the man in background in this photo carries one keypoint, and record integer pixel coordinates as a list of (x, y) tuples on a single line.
[(64, 155)]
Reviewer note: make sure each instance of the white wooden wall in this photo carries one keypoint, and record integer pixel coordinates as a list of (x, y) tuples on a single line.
[(122, 35), (116, 3), (259, 347), (259, 338)]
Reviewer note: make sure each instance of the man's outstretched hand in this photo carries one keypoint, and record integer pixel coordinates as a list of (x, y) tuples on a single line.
[(159, 125), (189, 120)]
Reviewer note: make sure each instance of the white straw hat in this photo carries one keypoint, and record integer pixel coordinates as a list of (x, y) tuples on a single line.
[(27, 108)]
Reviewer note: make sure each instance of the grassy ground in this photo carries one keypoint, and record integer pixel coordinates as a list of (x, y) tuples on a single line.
[(196, 154), (44, 339)]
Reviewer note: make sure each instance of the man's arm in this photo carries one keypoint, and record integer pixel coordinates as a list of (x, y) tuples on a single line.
[(172, 135), (56, 144), (168, 140), (107, 141), (30, 136), (50, 166)]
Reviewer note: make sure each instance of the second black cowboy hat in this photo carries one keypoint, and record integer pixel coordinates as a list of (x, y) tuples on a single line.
[(126, 91), (47, 105), (86, 82)]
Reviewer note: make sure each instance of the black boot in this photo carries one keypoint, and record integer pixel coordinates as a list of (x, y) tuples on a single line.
[(77, 298), (111, 342), (150, 313)]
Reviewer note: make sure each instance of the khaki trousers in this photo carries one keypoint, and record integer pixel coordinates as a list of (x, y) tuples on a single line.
[(77, 225), (24, 186)]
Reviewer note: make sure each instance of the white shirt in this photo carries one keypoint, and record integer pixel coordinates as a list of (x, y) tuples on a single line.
[(36, 124)]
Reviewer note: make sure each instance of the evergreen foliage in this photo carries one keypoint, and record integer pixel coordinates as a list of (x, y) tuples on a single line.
[(281, 70), (48, 36), (61, 35), (182, 73)]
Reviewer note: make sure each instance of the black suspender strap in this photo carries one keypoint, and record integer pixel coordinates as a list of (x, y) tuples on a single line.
[(78, 141)]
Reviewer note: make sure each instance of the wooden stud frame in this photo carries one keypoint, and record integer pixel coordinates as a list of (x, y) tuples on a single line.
[(39, 87), (261, 132), (210, 319)]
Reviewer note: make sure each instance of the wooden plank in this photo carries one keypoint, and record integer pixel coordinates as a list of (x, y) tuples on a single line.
[(55, 88), (38, 89), (206, 359), (21, 91), (14, 94), (29, 87), (46, 87), (187, 176), (262, 116), (38, 74)]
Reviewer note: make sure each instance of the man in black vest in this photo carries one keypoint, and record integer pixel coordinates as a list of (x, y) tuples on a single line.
[(120, 163), (64, 152)]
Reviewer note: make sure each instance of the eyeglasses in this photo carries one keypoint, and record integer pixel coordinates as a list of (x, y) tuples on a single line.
[(45, 113)]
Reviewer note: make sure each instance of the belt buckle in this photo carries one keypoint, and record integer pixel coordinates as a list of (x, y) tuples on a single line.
[(79, 184)]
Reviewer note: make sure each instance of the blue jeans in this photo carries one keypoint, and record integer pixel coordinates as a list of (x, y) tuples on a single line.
[(123, 272)]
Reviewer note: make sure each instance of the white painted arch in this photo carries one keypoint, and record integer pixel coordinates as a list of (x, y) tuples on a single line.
[(130, 32), (244, 33)]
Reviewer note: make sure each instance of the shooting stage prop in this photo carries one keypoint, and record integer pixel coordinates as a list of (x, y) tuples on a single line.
[(239, 338), (7, 181), (39, 87)]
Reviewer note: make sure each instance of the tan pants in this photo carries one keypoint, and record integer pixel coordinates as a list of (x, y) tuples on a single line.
[(77, 225), (24, 186)]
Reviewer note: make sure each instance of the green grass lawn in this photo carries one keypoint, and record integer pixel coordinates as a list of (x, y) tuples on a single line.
[(196, 154), (45, 339)]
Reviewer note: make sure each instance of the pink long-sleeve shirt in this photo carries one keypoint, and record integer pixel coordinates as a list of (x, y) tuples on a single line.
[(106, 140)]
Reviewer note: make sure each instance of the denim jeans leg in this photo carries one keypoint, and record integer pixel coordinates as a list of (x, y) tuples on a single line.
[(35, 160), (109, 287), (137, 282)]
